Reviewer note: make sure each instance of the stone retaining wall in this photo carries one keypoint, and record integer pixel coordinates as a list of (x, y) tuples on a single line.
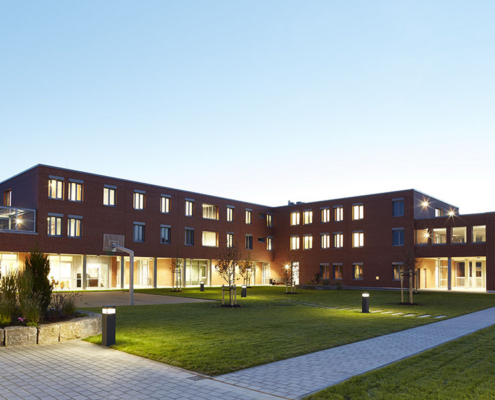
[(78, 328)]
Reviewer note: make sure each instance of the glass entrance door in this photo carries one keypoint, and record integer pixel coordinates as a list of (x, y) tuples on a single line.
[(265, 274)]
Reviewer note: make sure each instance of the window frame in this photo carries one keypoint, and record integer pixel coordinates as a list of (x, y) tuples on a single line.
[(360, 236), (401, 207), (139, 200), (59, 187), (77, 221), (215, 211), (138, 232), (230, 213), (357, 212), (361, 275), (338, 237), (269, 243), (307, 217), (295, 243), (339, 266), (249, 241), (230, 239), (295, 221), (325, 215), (338, 213), (163, 229), (189, 234), (58, 224), (249, 216), (325, 241), (78, 186), (165, 204), (107, 196), (7, 198), (307, 242), (189, 208), (398, 233), (269, 220)]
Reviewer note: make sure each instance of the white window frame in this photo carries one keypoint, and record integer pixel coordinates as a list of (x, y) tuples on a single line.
[(307, 242), (307, 217), (357, 239), (325, 215), (338, 213), (189, 208), (338, 240), (294, 242), (357, 212)]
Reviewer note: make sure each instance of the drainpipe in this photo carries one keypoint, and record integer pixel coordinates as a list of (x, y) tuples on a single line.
[(131, 270)]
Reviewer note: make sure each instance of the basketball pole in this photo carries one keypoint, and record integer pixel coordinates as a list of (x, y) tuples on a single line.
[(116, 247)]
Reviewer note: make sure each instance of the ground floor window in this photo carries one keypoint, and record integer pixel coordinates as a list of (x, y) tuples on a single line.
[(338, 271), (397, 268), (65, 272), (8, 264), (195, 272), (357, 271)]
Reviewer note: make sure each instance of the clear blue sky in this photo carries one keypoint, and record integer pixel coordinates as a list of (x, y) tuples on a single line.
[(263, 101)]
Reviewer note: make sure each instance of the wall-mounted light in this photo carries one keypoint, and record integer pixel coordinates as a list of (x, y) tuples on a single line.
[(377, 278), (425, 203), (451, 213)]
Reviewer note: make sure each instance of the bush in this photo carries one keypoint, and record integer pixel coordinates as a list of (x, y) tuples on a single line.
[(38, 265), (317, 278), (326, 282), (63, 304), (8, 302), (29, 299)]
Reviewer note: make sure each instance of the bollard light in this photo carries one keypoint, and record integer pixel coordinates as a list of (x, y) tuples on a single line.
[(108, 325), (244, 291), (201, 286), (366, 303)]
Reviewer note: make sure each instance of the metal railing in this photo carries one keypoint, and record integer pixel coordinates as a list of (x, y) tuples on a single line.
[(20, 220)]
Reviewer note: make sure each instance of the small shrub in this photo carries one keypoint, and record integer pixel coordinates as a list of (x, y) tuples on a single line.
[(326, 282), (29, 300), (338, 286), (64, 303), (317, 278), (8, 302), (6, 311)]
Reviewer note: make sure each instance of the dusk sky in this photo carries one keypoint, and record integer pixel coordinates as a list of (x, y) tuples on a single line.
[(263, 101)]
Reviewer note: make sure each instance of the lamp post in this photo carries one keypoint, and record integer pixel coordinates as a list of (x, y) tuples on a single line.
[(244, 291), (201, 286), (366, 303), (108, 325)]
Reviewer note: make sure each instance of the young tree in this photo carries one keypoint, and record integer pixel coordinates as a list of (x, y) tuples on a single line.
[(290, 272), (226, 264), (38, 266), (411, 270), (246, 268), (177, 274)]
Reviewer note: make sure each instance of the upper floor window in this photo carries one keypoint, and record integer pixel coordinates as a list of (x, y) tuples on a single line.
[(307, 242), (269, 243), (54, 223), (189, 208), (479, 234), (357, 211), (294, 243), (325, 241), (138, 203), (338, 214), (249, 217), (459, 234), (338, 240), (422, 236), (165, 234), (357, 271), (269, 220), (230, 214), (165, 204), (230, 239), (109, 195), (56, 188), (338, 271), (307, 217), (398, 237), (138, 232), (325, 215), (210, 211), (75, 191), (189, 239), (210, 239), (295, 218), (440, 236), (398, 208), (438, 212), (7, 198), (74, 227), (249, 242), (357, 239)]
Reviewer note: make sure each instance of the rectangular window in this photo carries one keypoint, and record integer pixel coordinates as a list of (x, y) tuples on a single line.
[(54, 226), (262, 215), (230, 240), (55, 189), (421, 236), (269, 220), (165, 234), (357, 239), (261, 239), (307, 242), (324, 271), (338, 271), (7, 198), (398, 237), (397, 268), (357, 212), (74, 227), (269, 243), (338, 240), (324, 241), (138, 232), (440, 236), (189, 240), (459, 235), (357, 271), (249, 242), (398, 208), (210, 211), (325, 215), (109, 196), (189, 208), (165, 204), (295, 218), (307, 217), (75, 191), (338, 214), (479, 234), (230, 214), (210, 239), (138, 203), (294, 243), (438, 212), (249, 217)]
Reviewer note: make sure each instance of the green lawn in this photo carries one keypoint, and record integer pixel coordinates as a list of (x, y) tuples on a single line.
[(270, 326), (462, 369)]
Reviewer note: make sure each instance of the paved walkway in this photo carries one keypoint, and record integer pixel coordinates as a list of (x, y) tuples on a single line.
[(99, 299)]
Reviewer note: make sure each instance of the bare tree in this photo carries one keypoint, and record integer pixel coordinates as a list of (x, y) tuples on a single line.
[(246, 268), (290, 273), (411, 270), (226, 264), (177, 274)]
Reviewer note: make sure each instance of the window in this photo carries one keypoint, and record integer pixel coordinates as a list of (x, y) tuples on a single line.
[(165, 234), (337, 271), (324, 241), (440, 236), (269, 220), (459, 235), (398, 208), (397, 268), (357, 271), (338, 214), (210, 239), (189, 240), (357, 239), (165, 204), (307, 217), (249, 217), (479, 234), (138, 200), (230, 240), (398, 237), (307, 242), (74, 226), (109, 196), (249, 242), (75, 191), (295, 218), (54, 223), (269, 243), (189, 208), (294, 243), (56, 188), (324, 271), (230, 214), (261, 239), (338, 240), (438, 212), (421, 236), (138, 232), (7, 198), (357, 212), (325, 215), (262, 215), (210, 211)]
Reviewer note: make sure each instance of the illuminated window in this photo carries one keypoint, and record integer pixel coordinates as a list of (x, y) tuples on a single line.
[(438, 212), (189, 208), (249, 242), (138, 202), (338, 240), (338, 214), (230, 240), (357, 212), (165, 204), (109, 196), (295, 218), (189, 237), (249, 217), (269, 220), (165, 234), (325, 215), (54, 223), (74, 227), (230, 214), (421, 236), (210, 239), (398, 237), (307, 217), (210, 211), (75, 191), (440, 236), (357, 239), (294, 243), (139, 232), (269, 243), (459, 235), (324, 241), (357, 271), (397, 269), (337, 271), (55, 189), (398, 208), (307, 242), (479, 234), (7, 198)]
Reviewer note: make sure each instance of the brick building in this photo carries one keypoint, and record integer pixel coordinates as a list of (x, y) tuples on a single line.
[(360, 241)]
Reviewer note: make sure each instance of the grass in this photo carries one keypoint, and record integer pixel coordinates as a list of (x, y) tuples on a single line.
[(270, 326), (462, 369)]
